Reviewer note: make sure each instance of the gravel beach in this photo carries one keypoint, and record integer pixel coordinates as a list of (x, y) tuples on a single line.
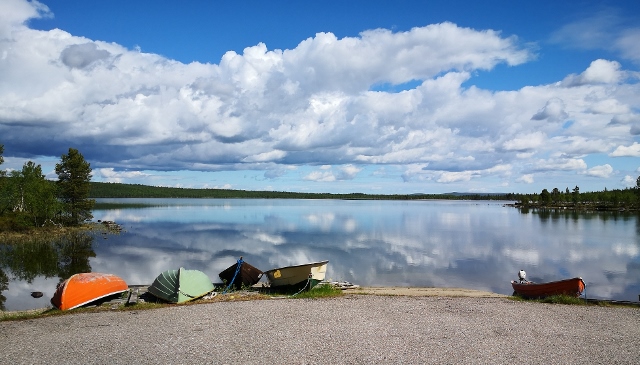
[(352, 329)]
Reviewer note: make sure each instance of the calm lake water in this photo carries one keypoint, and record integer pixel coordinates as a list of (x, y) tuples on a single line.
[(469, 244)]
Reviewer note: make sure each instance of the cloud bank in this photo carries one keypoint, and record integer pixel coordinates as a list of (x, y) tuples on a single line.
[(320, 104)]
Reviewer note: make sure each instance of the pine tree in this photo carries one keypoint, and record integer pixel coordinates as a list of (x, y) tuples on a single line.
[(74, 184)]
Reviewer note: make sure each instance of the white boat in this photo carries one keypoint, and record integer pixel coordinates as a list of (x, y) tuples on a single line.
[(297, 277)]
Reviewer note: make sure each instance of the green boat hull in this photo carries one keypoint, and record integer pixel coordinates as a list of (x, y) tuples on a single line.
[(179, 286)]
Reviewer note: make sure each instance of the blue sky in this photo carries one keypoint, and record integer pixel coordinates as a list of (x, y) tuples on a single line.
[(335, 96)]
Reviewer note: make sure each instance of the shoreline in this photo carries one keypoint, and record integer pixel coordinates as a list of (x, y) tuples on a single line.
[(368, 290), (383, 291)]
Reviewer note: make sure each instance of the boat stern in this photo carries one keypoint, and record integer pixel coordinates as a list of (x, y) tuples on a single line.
[(319, 272)]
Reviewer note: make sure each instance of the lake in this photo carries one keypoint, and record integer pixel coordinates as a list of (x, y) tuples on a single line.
[(468, 244)]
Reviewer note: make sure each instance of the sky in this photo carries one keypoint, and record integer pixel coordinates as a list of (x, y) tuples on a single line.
[(375, 97)]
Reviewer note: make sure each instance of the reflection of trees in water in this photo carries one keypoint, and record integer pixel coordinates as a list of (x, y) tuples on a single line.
[(25, 261), (61, 256), (74, 251), (547, 214), (4, 285)]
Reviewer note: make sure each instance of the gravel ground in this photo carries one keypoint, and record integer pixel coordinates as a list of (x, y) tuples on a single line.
[(352, 329)]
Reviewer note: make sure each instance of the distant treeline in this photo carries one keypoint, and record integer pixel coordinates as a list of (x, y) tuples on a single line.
[(116, 190), (600, 200)]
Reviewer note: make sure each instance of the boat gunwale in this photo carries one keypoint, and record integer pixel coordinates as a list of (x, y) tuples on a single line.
[(317, 263), (97, 298), (531, 283)]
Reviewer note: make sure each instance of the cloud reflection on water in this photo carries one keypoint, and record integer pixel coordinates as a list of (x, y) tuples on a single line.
[(377, 243)]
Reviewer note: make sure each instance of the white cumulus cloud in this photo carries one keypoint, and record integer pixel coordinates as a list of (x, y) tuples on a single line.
[(629, 181), (627, 151), (527, 179), (599, 72), (603, 171)]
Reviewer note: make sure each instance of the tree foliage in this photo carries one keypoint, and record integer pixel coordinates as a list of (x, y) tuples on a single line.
[(545, 197), (617, 199), (33, 195), (74, 183), (28, 196)]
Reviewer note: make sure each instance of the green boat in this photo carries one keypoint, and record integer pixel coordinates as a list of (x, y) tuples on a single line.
[(179, 286)]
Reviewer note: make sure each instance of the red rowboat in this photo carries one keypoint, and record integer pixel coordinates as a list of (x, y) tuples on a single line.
[(84, 288), (572, 287)]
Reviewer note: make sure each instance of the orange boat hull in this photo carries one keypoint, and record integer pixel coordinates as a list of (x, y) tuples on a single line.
[(572, 287), (84, 288)]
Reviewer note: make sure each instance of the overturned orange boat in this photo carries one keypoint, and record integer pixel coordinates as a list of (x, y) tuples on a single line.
[(571, 287), (84, 288)]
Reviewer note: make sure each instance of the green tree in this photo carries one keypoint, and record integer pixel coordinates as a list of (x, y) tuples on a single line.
[(38, 199), (576, 194), (545, 197), (74, 184), (555, 195), (29, 196)]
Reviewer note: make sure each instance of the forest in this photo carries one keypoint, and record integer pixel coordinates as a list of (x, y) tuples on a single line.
[(628, 199), (116, 190)]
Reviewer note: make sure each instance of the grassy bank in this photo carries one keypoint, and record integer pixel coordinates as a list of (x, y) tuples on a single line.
[(49, 232)]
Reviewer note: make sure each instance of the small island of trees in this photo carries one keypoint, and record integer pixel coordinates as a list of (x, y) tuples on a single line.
[(28, 200), (619, 199)]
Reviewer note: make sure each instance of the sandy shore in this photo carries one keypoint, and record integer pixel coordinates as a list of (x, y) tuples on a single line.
[(378, 327)]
